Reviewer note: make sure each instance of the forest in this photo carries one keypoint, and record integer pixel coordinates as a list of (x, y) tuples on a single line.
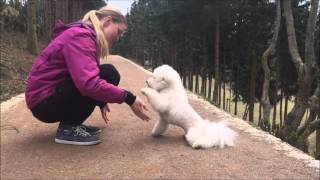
[(257, 59)]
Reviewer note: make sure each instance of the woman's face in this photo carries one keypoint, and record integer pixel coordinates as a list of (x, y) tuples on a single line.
[(112, 30)]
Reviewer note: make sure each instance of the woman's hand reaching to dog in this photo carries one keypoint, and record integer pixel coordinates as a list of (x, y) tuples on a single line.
[(139, 108)]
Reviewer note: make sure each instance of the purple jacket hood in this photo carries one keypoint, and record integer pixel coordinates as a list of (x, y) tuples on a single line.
[(60, 27)]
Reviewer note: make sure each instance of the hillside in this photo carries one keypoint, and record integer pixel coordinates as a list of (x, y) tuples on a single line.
[(15, 63)]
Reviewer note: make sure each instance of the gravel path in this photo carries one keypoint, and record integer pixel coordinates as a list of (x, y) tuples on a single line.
[(128, 151)]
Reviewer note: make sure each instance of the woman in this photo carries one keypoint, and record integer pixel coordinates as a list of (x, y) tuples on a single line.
[(66, 81)]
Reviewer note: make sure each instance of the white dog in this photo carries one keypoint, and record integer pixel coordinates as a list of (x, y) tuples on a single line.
[(167, 96)]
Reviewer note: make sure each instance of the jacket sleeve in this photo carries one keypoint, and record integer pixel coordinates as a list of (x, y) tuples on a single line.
[(80, 55)]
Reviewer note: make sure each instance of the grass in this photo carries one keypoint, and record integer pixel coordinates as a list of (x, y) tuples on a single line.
[(242, 106)]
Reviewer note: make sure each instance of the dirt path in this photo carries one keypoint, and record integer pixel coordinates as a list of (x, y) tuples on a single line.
[(129, 152)]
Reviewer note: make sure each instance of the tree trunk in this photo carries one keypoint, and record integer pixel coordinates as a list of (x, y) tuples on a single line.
[(190, 80), (274, 116), (62, 10), (216, 54), (184, 78), (314, 110), (286, 106), (318, 144), (236, 91), (302, 139), (230, 98), (252, 86), (224, 82), (32, 41), (75, 10), (210, 88), (280, 112), (224, 95), (265, 101), (219, 93), (48, 20), (203, 79), (205, 86), (260, 108), (197, 83)]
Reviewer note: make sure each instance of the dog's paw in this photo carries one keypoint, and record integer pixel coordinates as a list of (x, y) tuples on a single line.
[(144, 91), (195, 145), (156, 135)]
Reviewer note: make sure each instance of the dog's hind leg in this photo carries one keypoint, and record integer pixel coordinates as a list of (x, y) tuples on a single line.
[(159, 128)]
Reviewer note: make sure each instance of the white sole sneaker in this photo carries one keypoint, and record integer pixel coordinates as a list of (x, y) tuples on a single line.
[(60, 141)]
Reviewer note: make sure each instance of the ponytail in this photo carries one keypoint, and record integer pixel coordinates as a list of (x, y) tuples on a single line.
[(102, 43)]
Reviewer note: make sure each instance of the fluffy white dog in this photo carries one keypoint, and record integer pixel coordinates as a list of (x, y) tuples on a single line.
[(167, 96)]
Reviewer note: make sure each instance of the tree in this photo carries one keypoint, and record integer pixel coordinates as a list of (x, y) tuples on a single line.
[(265, 100), (306, 70), (32, 42), (216, 54), (318, 143), (48, 19)]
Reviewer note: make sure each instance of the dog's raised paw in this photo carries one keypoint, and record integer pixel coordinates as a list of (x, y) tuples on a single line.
[(144, 91)]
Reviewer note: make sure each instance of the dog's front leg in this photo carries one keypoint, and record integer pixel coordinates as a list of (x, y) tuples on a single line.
[(159, 128), (154, 98)]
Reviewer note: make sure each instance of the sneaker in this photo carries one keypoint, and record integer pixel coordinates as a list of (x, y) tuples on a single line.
[(91, 129), (75, 135)]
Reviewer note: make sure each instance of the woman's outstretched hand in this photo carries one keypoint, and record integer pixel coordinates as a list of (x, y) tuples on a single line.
[(139, 108)]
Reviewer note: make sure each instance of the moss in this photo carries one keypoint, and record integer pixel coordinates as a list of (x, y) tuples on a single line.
[(302, 144), (291, 137)]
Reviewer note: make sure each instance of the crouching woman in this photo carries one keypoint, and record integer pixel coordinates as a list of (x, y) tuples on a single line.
[(66, 81)]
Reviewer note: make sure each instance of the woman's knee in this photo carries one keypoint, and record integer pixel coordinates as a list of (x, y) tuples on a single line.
[(109, 73)]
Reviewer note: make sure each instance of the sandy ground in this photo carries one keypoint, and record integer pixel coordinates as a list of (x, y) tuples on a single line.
[(129, 151)]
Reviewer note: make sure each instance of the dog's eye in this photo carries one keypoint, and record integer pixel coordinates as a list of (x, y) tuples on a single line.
[(162, 79)]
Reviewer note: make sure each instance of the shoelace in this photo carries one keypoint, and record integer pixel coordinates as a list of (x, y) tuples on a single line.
[(83, 127), (81, 131)]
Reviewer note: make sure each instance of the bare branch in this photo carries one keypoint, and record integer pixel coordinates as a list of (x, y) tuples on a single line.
[(292, 40), (315, 124)]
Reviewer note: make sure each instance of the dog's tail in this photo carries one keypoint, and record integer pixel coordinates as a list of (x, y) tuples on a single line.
[(211, 134)]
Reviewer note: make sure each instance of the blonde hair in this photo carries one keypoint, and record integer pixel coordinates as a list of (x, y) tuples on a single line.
[(94, 16)]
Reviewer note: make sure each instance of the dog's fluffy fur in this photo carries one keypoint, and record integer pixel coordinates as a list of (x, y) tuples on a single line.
[(167, 96)]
